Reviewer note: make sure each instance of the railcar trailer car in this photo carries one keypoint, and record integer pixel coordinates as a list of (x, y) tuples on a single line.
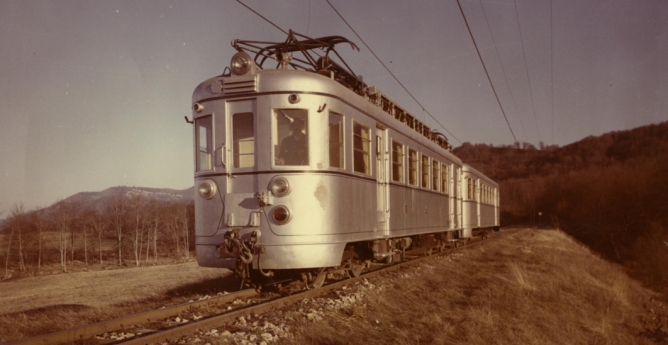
[(303, 168)]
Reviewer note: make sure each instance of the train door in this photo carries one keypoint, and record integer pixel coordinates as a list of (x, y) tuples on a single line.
[(382, 187), (238, 155)]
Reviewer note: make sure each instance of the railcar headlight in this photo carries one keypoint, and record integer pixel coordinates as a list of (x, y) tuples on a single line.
[(281, 214), (241, 63), (280, 187), (207, 189)]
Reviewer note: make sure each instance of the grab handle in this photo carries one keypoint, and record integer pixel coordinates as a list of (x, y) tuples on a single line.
[(222, 156)]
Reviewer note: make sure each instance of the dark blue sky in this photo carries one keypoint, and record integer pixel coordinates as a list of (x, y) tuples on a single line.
[(93, 93)]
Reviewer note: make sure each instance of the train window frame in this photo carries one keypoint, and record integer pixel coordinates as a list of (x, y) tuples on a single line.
[(425, 177), (308, 126), (413, 167), (356, 150), (400, 160), (476, 190), (342, 144), (236, 144), (444, 178), (209, 142), (435, 175)]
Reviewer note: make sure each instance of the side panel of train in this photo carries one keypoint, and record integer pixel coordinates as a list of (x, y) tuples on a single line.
[(480, 202), (363, 175)]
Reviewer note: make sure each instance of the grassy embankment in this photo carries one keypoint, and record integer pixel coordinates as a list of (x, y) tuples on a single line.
[(40, 305), (522, 288)]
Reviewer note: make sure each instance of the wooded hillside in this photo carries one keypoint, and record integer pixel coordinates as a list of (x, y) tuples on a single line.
[(610, 192)]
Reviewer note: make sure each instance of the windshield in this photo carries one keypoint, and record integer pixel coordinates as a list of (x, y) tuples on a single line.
[(290, 137)]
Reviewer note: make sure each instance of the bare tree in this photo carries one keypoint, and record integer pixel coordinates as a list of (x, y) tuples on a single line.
[(64, 219), (87, 223), (155, 211), (185, 228), (17, 214), (98, 224), (40, 224), (173, 225), (9, 247), (116, 211), (75, 207), (137, 203)]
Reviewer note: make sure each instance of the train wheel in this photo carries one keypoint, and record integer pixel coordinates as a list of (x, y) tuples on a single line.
[(319, 279), (357, 270)]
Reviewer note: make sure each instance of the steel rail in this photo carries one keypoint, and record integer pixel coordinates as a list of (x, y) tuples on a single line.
[(175, 333), (89, 331), (158, 336)]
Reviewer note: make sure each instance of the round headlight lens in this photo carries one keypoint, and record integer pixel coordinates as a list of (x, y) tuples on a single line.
[(280, 187), (207, 189), (281, 214), (241, 63)]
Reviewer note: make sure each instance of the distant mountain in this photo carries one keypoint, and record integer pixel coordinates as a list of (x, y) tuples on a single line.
[(96, 199)]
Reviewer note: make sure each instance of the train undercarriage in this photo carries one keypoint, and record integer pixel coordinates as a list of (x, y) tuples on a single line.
[(355, 259)]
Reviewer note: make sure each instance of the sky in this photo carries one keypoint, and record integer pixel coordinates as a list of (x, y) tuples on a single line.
[(93, 93)]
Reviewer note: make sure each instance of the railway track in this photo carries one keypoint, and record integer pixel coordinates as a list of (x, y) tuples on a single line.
[(161, 331)]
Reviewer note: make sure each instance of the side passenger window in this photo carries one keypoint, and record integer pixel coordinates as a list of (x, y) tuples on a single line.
[(425, 171), (335, 140), (434, 176), (361, 146), (397, 162), (412, 167)]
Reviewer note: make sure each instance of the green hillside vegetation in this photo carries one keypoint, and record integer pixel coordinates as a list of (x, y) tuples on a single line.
[(609, 192)]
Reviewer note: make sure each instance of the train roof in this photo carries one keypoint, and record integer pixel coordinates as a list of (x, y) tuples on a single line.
[(311, 61), (469, 169)]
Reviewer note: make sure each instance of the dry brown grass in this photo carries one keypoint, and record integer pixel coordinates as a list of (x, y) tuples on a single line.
[(523, 288), (40, 305)]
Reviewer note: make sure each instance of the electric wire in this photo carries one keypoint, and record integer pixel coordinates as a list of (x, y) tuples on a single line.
[(517, 16), (486, 73), (308, 24), (551, 74), (268, 21), (392, 74), (505, 76)]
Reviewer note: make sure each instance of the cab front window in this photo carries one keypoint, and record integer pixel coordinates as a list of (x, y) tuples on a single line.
[(290, 137), (204, 138)]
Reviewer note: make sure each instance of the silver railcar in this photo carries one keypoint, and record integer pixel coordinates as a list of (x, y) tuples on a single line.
[(310, 169)]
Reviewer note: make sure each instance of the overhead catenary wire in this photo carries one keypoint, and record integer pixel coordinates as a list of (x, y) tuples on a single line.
[(551, 74), (268, 21), (392, 74), (486, 73), (505, 76), (526, 67)]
